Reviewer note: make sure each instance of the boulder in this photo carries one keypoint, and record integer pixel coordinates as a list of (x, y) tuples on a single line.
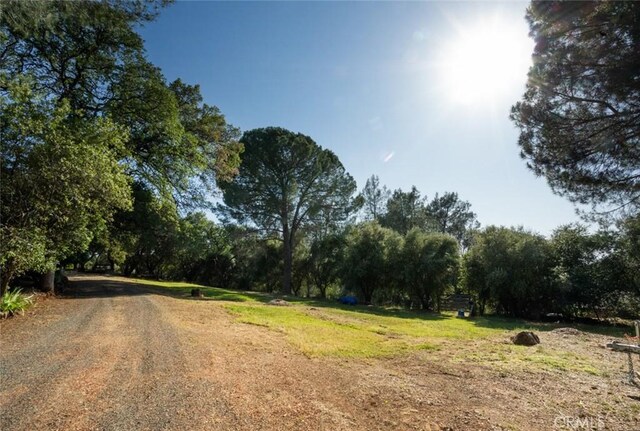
[(525, 338)]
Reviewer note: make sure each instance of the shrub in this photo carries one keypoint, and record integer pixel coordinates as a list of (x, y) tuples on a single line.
[(14, 302)]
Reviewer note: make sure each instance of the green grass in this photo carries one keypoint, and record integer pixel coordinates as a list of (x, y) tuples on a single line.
[(184, 289), (365, 331), (317, 336), (509, 356), (321, 328)]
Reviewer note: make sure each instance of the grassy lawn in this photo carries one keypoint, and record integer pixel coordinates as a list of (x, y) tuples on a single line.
[(322, 328), (184, 289)]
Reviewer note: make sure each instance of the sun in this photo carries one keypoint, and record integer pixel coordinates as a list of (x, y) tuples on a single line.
[(485, 60)]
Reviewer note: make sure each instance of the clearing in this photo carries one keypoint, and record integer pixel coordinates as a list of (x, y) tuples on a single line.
[(124, 354)]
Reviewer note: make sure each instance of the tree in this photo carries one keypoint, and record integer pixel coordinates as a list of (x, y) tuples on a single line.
[(76, 51), (286, 182), (429, 266), (370, 262), (579, 118), (594, 273), (60, 179), (510, 269), (148, 233), (178, 144), (324, 260), (87, 57), (576, 253), (451, 215), (405, 210), (375, 198), (203, 252)]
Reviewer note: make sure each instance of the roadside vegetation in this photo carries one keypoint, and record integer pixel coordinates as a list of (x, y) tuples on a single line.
[(14, 302), (325, 328), (107, 166)]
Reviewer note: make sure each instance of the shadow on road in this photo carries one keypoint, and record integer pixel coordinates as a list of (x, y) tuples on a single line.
[(102, 286)]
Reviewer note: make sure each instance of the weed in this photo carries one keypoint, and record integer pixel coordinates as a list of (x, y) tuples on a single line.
[(14, 302)]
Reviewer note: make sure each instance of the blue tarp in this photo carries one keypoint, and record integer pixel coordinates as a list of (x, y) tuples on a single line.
[(349, 300)]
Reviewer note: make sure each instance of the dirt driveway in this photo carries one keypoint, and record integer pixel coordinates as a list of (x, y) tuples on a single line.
[(115, 356)]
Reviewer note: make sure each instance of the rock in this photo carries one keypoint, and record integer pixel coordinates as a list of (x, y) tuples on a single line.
[(280, 302), (525, 338)]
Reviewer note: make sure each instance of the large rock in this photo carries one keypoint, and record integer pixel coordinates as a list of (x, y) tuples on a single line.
[(525, 338)]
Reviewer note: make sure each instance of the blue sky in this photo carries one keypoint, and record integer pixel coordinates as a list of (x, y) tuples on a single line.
[(416, 92)]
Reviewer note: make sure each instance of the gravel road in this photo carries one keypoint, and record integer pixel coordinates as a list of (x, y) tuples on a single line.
[(103, 358), (112, 355)]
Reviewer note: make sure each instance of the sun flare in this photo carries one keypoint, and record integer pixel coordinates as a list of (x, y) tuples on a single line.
[(485, 60)]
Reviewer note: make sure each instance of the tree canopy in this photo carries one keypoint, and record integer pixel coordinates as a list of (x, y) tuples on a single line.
[(375, 198), (449, 214), (80, 98), (405, 210), (579, 118), (286, 182), (60, 180)]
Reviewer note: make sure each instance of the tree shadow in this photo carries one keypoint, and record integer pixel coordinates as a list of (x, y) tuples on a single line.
[(511, 324), (369, 309), (105, 286)]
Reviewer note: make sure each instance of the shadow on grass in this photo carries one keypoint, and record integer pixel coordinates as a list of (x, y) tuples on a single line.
[(487, 321), (368, 309), (107, 286), (510, 324)]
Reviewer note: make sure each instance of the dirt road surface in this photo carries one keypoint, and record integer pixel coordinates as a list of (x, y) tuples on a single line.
[(116, 356)]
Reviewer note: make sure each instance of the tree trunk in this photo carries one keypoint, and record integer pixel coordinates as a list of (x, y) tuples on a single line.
[(4, 284), (94, 268), (6, 274), (47, 281), (288, 262)]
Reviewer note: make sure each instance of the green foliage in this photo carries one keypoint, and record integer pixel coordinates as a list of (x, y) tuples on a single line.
[(594, 273), (375, 198), (324, 260), (510, 269), (286, 183), (575, 273), (148, 233), (178, 144), (406, 210), (84, 114), (629, 248), (369, 265), (453, 216), (75, 51), (14, 302), (579, 116), (60, 179), (446, 214), (428, 266), (203, 252)]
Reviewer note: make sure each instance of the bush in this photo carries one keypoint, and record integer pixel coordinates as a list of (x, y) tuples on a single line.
[(370, 261), (14, 302), (511, 271)]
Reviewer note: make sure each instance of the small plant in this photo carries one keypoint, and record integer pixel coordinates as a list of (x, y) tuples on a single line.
[(13, 303)]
